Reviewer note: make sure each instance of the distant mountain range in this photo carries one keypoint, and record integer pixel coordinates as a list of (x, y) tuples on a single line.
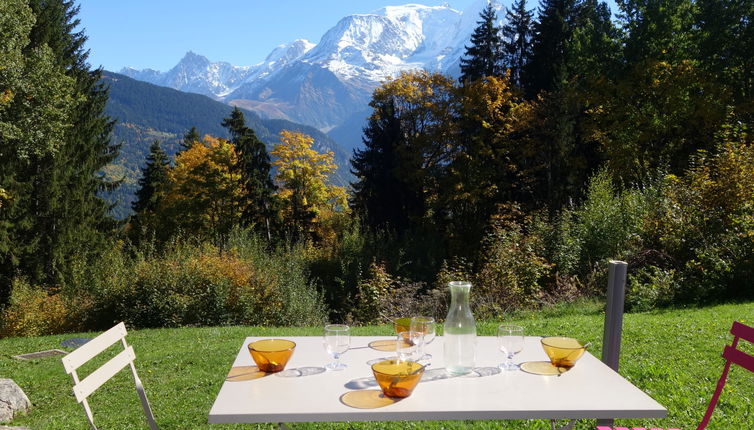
[(328, 85), (147, 112)]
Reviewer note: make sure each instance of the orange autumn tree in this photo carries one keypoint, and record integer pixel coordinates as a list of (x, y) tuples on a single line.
[(302, 176), (204, 196)]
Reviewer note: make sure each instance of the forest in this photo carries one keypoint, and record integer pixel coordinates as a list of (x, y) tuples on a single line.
[(574, 135)]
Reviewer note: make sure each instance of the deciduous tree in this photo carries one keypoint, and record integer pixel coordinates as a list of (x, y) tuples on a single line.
[(302, 175)]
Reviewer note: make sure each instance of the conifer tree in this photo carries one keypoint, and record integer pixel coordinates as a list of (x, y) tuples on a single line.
[(484, 56), (552, 32), (517, 34), (190, 137), (153, 180), (70, 220), (37, 101), (379, 196), (152, 186), (254, 169)]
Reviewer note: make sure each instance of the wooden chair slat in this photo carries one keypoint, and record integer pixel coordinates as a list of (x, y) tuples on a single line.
[(88, 385), (87, 351)]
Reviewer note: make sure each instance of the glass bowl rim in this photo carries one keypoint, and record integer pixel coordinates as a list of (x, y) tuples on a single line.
[(292, 343), (421, 369), (544, 341)]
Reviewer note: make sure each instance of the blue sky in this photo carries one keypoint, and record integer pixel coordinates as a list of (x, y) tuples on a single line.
[(157, 33)]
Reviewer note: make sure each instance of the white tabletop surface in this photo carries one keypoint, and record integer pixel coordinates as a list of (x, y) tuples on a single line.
[(588, 390)]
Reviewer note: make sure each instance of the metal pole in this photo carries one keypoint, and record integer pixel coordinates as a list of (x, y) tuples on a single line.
[(616, 294)]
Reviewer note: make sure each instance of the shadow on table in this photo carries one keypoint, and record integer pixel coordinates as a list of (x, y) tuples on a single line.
[(367, 399), (429, 375), (249, 373)]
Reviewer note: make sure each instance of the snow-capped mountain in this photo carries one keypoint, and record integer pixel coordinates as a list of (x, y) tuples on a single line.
[(329, 85)]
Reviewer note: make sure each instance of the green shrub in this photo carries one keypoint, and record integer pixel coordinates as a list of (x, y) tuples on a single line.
[(32, 311), (650, 287), (512, 268), (199, 284)]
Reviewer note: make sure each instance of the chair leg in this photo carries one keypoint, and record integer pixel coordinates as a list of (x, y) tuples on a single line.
[(718, 391), (88, 413), (144, 401)]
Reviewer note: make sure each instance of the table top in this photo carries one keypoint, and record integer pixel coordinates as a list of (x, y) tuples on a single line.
[(305, 392)]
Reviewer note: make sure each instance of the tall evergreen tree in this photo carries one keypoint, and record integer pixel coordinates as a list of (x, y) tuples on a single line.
[(484, 56), (69, 219), (153, 180), (517, 34), (190, 137), (254, 168), (552, 31), (378, 194), (152, 186), (37, 103)]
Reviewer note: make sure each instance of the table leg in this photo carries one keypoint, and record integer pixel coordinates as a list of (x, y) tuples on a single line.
[(568, 426)]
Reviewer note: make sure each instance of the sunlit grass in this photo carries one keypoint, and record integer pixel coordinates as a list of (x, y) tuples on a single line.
[(673, 355)]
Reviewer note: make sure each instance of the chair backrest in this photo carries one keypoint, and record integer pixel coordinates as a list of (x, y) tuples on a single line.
[(732, 355), (84, 388)]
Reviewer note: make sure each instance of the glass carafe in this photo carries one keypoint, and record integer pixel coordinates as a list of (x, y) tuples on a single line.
[(459, 338)]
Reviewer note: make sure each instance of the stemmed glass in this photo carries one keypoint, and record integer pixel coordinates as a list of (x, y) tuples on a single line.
[(407, 346), (337, 339), (426, 326), (511, 342)]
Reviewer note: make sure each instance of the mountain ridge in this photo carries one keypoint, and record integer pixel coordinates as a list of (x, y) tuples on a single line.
[(324, 84), (146, 112)]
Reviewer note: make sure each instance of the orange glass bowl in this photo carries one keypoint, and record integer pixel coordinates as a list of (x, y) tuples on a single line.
[(397, 378), (563, 351), (271, 355), (402, 324)]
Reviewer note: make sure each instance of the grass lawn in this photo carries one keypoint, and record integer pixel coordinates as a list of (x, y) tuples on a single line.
[(672, 355)]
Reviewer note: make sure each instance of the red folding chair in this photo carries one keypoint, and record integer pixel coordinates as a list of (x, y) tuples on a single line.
[(732, 356)]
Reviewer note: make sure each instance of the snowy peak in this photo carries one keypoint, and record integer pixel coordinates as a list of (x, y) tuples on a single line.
[(289, 52), (328, 85)]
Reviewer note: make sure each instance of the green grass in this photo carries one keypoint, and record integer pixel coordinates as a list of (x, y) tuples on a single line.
[(672, 355)]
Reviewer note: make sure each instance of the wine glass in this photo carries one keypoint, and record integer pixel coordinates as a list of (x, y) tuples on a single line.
[(426, 326), (337, 339), (511, 342), (407, 345)]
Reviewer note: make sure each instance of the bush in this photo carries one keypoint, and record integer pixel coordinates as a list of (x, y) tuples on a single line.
[(32, 311), (200, 284), (512, 267)]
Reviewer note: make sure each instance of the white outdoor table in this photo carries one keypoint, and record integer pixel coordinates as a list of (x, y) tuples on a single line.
[(589, 390)]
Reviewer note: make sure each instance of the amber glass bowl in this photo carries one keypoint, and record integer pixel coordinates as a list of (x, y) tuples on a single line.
[(563, 351), (402, 324), (271, 355), (397, 378)]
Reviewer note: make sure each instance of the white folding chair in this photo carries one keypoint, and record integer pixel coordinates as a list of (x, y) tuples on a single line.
[(82, 389)]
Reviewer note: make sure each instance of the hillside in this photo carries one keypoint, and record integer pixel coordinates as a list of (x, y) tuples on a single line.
[(145, 112)]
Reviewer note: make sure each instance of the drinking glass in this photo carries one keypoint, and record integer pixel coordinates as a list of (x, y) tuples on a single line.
[(511, 342), (407, 345), (337, 339), (426, 326)]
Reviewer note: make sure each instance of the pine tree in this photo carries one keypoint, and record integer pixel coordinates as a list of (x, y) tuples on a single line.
[(517, 35), (70, 220), (37, 102), (190, 137), (254, 169), (153, 184), (484, 56), (552, 32), (154, 179), (379, 197)]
